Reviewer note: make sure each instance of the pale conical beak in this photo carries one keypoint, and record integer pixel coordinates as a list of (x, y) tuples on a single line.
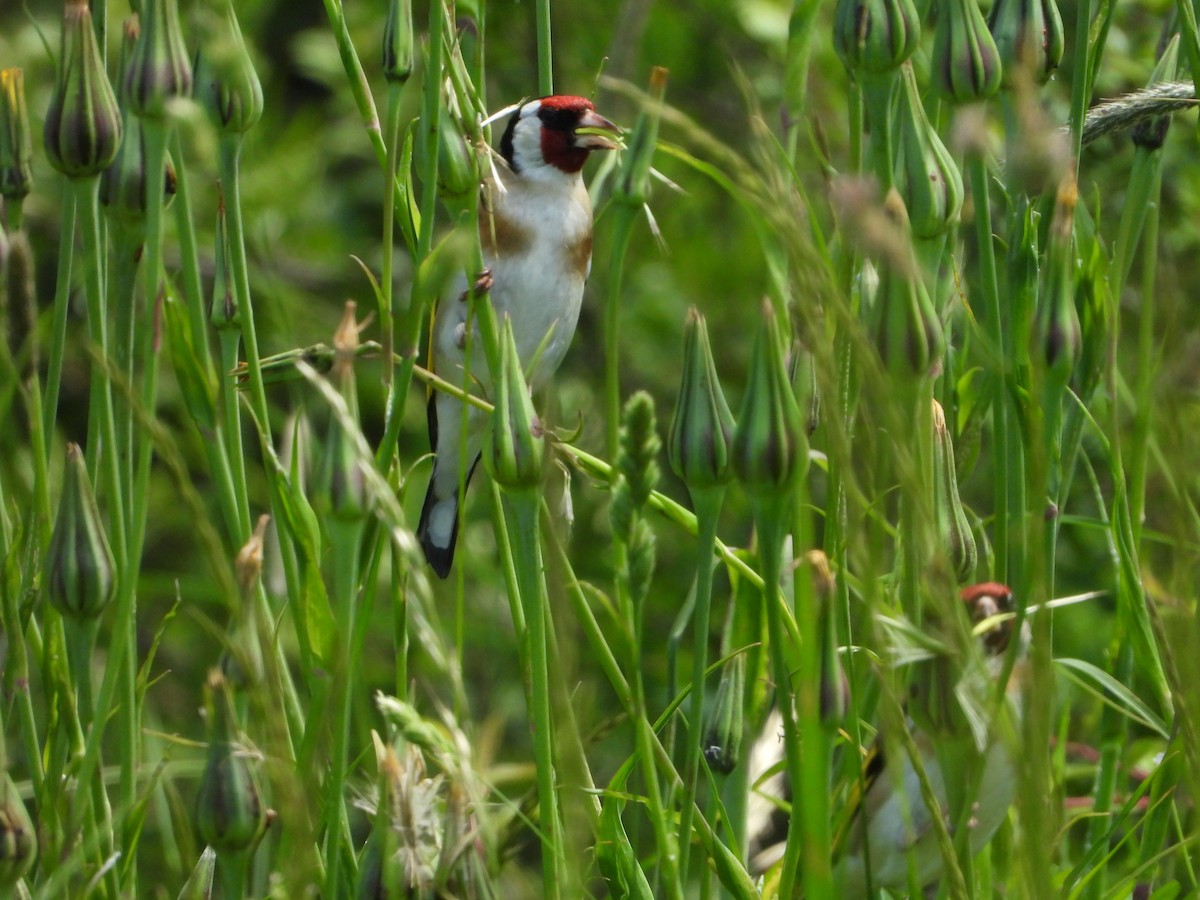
[(591, 140)]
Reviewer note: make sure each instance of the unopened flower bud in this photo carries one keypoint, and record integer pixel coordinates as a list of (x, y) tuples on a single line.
[(242, 661), (953, 527), (81, 571), (342, 484), (909, 336), (966, 64), (226, 83), (123, 183), (16, 146), (515, 443), (159, 72), (633, 182), (229, 808), (769, 446), (18, 838), (926, 177), (725, 730), (199, 885), (83, 123), (875, 36), (702, 429), (1029, 37), (398, 42), (1058, 331), (458, 171), (224, 312)]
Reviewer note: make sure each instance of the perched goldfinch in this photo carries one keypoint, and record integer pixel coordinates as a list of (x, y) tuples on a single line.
[(891, 828), (535, 225)]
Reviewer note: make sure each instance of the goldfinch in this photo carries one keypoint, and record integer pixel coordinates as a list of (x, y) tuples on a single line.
[(890, 829), (535, 227)]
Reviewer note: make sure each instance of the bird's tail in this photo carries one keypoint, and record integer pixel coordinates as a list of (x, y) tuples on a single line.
[(438, 527)]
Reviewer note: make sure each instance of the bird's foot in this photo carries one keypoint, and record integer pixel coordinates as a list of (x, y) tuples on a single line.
[(483, 285)]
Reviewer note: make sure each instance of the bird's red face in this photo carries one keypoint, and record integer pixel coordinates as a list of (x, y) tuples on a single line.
[(545, 132), (984, 601)]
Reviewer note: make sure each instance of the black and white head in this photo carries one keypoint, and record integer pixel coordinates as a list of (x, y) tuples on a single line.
[(542, 139), (992, 600)]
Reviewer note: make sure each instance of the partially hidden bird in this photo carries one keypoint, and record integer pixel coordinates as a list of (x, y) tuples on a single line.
[(535, 227), (889, 841)]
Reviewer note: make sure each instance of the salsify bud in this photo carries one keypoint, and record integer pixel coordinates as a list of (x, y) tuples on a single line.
[(953, 527), (18, 837), (199, 885), (342, 484), (159, 72), (376, 866), (769, 446), (698, 445), (633, 182), (1058, 332), (83, 123), (21, 320), (224, 312), (242, 662), (226, 83), (725, 729), (1029, 37), (123, 184), (926, 177), (875, 36), (909, 336), (229, 807), (81, 571), (515, 443), (965, 67), (16, 145), (398, 42), (458, 171)]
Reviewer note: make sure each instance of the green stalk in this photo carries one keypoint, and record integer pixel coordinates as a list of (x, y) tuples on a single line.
[(344, 538), (230, 147), (622, 230), (707, 503), (544, 49), (978, 175), (522, 506), (769, 519), (62, 297)]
